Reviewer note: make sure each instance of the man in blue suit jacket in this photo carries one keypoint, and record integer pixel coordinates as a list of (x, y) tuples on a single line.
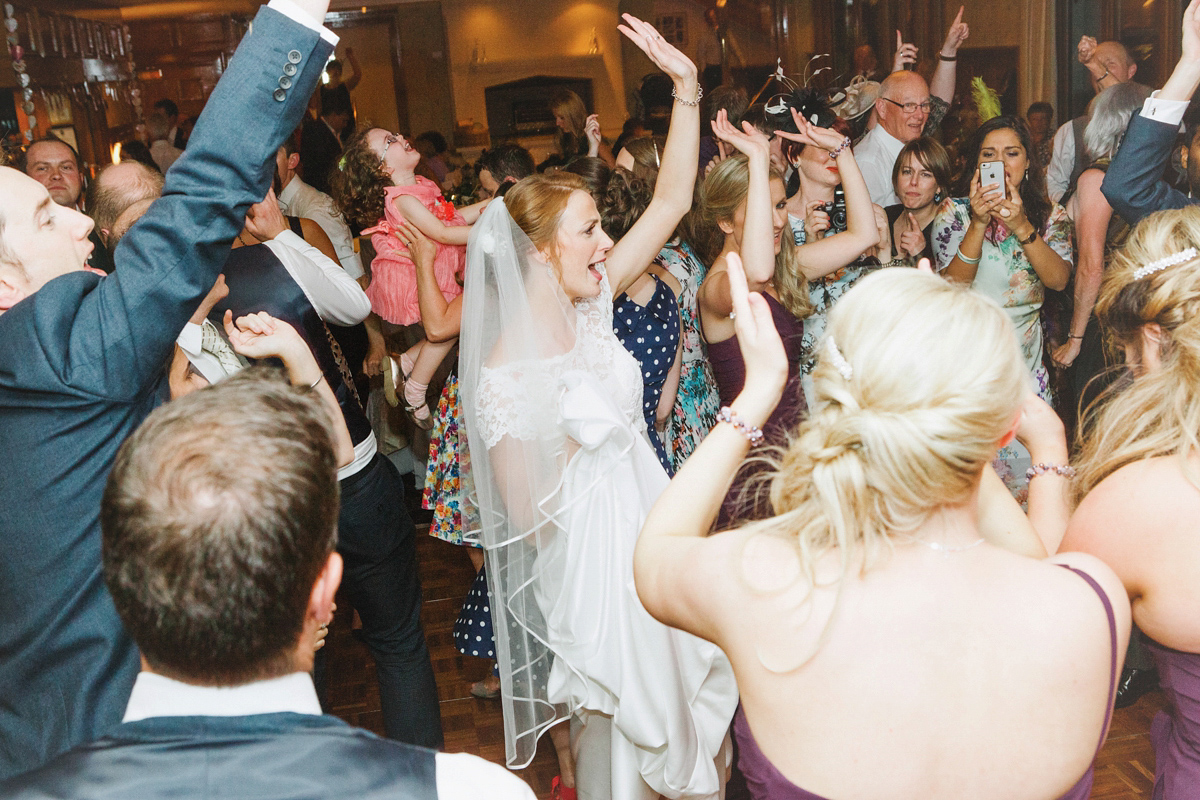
[(81, 365), (219, 520), (1134, 184)]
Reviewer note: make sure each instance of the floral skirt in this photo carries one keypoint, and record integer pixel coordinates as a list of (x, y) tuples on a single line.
[(696, 407), (443, 488)]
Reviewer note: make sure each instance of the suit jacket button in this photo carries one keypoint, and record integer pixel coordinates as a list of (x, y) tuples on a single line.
[(280, 95), (289, 69), (285, 82), (294, 56)]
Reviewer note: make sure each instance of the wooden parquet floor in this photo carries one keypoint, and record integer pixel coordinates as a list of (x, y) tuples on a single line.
[(1124, 769)]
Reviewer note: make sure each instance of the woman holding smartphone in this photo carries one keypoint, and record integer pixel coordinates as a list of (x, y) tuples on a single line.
[(1008, 242)]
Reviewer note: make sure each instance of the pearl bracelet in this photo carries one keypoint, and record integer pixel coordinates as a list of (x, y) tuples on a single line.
[(1041, 469), (754, 434)]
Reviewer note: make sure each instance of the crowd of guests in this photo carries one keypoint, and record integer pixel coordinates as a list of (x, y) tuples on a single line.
[(762, 437)]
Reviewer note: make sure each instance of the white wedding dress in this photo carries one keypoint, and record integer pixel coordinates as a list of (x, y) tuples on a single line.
[(659, 699)]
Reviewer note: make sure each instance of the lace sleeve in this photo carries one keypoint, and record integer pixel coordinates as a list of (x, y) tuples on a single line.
[(513, 402)]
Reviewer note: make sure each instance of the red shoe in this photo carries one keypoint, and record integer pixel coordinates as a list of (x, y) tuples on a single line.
[(560, 792)]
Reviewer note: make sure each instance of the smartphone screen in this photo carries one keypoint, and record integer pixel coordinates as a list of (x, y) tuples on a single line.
[(991, 173)]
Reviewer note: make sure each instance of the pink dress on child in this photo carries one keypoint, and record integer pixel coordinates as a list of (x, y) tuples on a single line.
[(393, 288)]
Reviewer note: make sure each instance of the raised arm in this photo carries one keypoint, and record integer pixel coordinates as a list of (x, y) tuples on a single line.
[(758, 235), (415, 212), (355, 70), (125, 329), (946, 74), (964, 263), (633, 254), (1134, 184), (673, 535), (823, 256)]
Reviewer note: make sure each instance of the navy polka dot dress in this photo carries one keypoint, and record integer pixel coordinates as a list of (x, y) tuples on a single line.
[(651, 334), (473, 628)]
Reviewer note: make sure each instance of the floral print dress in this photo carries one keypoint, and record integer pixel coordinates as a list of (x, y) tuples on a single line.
[(1005, 275), (443, 488), (696, 402)]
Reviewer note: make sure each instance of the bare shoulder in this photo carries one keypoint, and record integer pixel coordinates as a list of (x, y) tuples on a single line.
[(1146, 497)]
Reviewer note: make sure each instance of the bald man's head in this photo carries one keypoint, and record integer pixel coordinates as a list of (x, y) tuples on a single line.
[(903, 105), (115, 189), (1117, 60)]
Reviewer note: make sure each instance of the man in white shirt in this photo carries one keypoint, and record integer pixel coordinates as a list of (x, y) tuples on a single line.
[(1107, 63), (298, 199), (902, 108), (219, 524)]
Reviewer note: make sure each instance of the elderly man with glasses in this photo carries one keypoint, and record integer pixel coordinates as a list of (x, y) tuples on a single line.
[(902, 109)]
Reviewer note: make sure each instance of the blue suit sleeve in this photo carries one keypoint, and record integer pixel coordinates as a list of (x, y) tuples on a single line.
[(123, 330), (1134, 184)]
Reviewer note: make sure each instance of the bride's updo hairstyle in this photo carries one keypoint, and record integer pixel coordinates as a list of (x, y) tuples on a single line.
[(724, 190), (924, 381), (1158, 413), (537, 203)]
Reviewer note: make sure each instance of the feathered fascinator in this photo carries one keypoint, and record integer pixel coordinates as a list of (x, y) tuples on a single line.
[(987, 101)]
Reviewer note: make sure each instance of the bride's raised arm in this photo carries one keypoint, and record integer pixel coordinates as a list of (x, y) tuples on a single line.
[(632, 255)]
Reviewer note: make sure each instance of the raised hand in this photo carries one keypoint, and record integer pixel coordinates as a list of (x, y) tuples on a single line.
[(1191, 32), (749, 140), (808, 133), (264, 220), (260, 335), (906, 53), (1041, 431), (591, 129), (912, 240), (665, 56), (1086, 50), (762, 349), (958, 33)]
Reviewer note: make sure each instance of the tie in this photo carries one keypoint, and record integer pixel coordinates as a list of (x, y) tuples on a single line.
[(214, 344)]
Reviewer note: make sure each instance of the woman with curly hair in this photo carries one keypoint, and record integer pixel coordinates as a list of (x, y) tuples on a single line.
[(377, 189)]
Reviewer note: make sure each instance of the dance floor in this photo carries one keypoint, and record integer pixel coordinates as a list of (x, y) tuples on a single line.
[(1124, 770)]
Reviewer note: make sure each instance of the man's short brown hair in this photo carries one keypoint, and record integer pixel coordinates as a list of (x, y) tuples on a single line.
[(219, 515)]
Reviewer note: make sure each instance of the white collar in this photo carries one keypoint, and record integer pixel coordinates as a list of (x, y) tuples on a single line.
[(885, 141), (290, 191), (159, 696)]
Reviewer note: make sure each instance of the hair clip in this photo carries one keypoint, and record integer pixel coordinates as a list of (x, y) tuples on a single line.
[(838, 360), (657, 163), (1163, 263)]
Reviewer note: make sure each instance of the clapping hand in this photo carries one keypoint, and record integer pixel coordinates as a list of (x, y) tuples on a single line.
[(665, 56), (762, 349), (749, 140), (958, 33), (906, 53)]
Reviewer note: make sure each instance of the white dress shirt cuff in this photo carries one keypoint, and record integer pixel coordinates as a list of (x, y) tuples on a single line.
[(1168, 111), (298, 14), (189, 339)]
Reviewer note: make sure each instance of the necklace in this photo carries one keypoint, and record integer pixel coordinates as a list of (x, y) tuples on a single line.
[(945, 548)]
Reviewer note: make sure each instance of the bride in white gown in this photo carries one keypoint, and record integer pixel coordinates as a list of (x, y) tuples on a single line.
[(563, 477)]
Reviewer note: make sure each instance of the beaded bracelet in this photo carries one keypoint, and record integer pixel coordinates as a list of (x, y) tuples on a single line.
[(755, 435), (837, 151), (966, 259), (1042, 469), (696, 102)]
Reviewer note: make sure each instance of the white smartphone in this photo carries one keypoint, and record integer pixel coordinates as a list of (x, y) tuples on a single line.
[(991, 173)]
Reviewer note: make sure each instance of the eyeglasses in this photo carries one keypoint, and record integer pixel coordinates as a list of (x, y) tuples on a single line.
[(388, 141), (910, 108)]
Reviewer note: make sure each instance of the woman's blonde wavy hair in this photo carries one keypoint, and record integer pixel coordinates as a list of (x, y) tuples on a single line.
[(1158, 413), (937, 380), (723, 191)]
